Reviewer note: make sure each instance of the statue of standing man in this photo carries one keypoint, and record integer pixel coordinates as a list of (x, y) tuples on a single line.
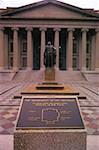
[(49, 56)]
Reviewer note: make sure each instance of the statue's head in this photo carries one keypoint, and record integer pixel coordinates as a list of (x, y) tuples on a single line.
[(49, 43)]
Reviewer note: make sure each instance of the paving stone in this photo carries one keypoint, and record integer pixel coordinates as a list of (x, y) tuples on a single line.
[(9, 106)]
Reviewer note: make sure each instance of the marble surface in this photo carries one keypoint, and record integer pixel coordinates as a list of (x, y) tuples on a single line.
[(9, 106), (50, 139), (6, 142)]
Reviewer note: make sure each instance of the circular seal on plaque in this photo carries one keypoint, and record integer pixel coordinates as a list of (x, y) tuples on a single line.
[(50, 115)]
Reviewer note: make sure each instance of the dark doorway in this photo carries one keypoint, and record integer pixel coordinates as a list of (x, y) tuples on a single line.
[(36, 49), (50, 36), (62, 49)]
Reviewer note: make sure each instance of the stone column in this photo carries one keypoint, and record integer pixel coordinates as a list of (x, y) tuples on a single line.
[(84, 47), (93, 53), (42, 46), (15, 49), (1, 48), (6, 50), (56, 45), (79, 52), (97, 51), (70, 49), (29, 49)]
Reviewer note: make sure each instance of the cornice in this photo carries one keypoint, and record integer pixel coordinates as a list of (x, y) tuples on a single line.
[(55, 2)]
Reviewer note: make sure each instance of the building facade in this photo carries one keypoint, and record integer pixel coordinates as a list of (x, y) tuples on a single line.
[(25, 31)]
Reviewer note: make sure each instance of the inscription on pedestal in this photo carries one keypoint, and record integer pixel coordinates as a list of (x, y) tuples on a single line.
[(49, 113)]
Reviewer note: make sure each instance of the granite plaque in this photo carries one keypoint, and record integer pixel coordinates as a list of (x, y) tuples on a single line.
[(52, 113)]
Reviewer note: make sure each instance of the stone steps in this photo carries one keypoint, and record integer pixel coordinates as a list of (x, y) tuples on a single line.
[(35, 76), (60, 76), (64, 76)]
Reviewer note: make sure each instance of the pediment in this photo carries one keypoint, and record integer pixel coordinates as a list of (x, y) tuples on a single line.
[(53, 10)]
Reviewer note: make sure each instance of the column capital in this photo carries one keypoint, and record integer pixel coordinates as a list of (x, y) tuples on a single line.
[(43, 29), (29, 29), (97, 29), (15, 28), (71, 29), (1, 28), (57, 29), (84, 30)]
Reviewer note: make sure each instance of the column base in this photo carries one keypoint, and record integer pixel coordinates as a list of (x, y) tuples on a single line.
[(97, 69), (7, 75), (42, 68), (83, 69), (56, 68), (15, 69), (1, 69), (69, 69), (29, 69), (92, 76)]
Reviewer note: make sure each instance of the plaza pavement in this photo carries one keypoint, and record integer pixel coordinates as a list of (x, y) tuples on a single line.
[(9, 108)]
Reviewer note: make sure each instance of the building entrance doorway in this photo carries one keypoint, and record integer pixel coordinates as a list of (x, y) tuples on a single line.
[(62, 49), (49, 36), (36, 49)]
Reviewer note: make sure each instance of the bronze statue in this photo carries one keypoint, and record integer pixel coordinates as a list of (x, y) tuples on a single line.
[(49, 56)]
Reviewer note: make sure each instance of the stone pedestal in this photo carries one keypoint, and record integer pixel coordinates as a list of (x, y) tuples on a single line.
[(46, 123), (49, 74), (50, 140)]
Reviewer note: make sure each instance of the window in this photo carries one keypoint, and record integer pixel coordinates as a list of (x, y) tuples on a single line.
[(88, 55), (87, 62), (11, 62), (74, 63), (11, 46), (24, 49), (75, 54), (24, 62), (75, 48), (87, 50)]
